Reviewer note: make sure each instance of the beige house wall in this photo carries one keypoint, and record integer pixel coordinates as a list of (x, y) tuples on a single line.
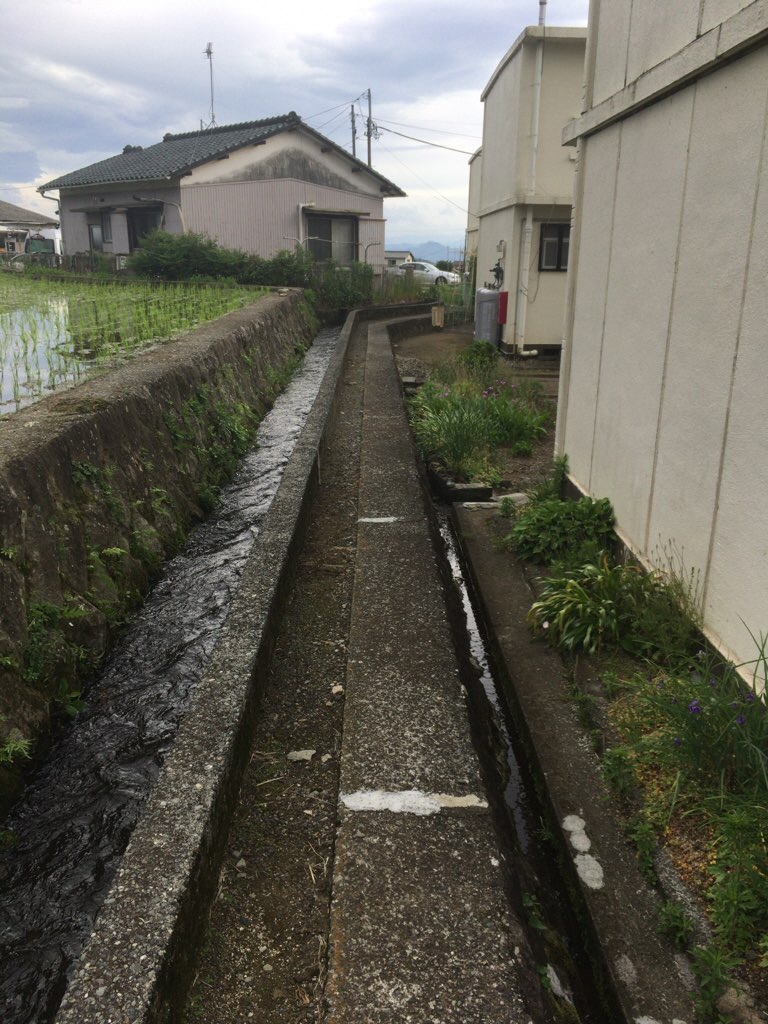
[(263, 217), (664, 383), (511, 182)]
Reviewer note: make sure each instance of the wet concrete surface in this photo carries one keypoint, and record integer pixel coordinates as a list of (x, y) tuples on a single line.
[(363, 880), (420, 926)]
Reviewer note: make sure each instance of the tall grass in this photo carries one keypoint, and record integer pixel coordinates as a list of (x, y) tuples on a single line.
[(459, 419)]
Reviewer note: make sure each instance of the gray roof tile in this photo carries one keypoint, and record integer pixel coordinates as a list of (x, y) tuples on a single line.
[(12, 214), (177, 154)]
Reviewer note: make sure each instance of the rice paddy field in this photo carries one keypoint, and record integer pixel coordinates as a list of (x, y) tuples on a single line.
[(56, 333)]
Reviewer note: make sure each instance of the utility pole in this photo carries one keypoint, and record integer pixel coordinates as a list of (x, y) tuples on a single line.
[(354, 129), (208, 54), (369, 128)]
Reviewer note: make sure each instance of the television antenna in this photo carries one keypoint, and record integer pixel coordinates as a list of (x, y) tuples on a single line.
[(208, 54)]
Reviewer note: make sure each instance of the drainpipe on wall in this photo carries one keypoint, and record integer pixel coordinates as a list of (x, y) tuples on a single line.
[(524, 269), (573, 258), (163, 203), (301, 208)]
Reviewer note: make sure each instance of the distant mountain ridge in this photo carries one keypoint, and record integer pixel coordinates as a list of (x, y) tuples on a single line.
[(430, 251)]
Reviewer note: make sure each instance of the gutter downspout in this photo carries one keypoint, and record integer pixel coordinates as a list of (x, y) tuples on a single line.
[(573, 261), (524, 269), (300, 210)]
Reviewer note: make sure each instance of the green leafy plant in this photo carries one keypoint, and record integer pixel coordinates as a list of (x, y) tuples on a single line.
[(69, 700), (13, 749), (739, 896), (675, 924), (586, 608), (619, 771), (713, 968), (480, 355), (643, 834), (550, 529), (460, 424), (553, 486)]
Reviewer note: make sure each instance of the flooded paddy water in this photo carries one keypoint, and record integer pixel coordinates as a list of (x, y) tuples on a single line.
[(54, 333)]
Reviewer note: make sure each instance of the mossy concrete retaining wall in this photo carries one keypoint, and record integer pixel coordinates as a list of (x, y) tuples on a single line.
[(99, 484)]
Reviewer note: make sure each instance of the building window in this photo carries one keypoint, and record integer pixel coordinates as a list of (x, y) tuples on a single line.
[(106, 228), (553, 246), (333, 238)]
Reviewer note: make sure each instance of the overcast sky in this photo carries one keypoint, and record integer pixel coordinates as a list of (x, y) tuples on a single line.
[(80, 79)]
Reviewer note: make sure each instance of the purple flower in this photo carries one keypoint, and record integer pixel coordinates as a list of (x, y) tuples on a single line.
[(694, 707), (751, 698), (740, 719), (677, 741)]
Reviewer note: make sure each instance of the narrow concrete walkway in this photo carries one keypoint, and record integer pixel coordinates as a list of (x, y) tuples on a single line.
[(420, 927)]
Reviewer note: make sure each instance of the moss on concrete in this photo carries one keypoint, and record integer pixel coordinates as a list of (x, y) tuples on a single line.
[(100, 484)]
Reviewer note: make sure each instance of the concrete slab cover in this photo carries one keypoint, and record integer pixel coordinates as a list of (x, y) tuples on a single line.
[(421, 929)]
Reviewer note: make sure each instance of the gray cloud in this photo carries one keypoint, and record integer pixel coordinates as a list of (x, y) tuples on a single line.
[(82, 78)]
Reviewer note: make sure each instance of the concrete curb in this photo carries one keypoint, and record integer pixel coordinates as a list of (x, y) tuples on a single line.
[(136, 964), (651, 981)]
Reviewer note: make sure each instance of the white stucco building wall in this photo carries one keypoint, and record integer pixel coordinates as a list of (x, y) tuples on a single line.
[(664, 384), (526, 177), (473, 205)]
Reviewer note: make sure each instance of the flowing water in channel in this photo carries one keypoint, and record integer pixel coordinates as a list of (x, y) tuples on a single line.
[(535, 877), (76, 816)]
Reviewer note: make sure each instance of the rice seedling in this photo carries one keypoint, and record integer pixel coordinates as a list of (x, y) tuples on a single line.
[(54, 333)]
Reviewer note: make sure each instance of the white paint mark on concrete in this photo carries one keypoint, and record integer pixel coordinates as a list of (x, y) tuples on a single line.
[(590, 870), (573, 823), (626, 971), (446, 800), (379, 519), (301, 755), (576, 829), (408, 801), (652, 1020), (581, 842)]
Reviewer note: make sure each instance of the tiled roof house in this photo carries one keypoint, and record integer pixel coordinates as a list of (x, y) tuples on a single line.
[(17, 224), (259, 186)]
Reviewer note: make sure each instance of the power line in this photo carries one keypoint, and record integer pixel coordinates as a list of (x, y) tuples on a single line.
[(422, 128), (425, 142), (320, 113), (424, 182)]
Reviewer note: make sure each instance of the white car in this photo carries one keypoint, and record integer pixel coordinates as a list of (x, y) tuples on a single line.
[(428, 273)]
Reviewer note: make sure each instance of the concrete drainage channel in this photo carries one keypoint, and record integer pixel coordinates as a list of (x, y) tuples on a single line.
[(574, 974), (139, 958), (137, 962)]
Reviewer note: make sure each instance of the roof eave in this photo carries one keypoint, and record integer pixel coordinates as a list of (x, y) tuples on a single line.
[(393, 191)]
